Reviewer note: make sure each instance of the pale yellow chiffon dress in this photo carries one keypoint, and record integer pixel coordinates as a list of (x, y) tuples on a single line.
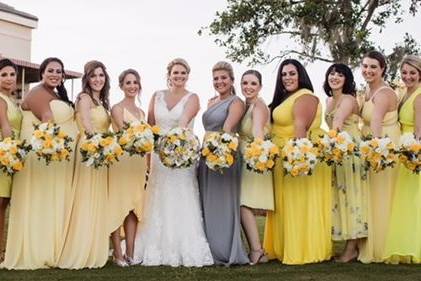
[(381, 189), (15, 119), (41, 200), (87, 239), (299, 230), (126, 190)]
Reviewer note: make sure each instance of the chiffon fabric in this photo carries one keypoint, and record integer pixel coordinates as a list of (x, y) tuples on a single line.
[(380, 193), (403, 243), (299, 230), (15, 119), (87, 239), (41, 200), (220, 197), (256, 189)]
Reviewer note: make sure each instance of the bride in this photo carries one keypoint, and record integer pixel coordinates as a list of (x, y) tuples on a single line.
[(171, 232)]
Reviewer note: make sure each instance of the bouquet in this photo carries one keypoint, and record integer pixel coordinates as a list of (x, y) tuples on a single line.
[(12, 155), (409, 150), (219, 150), (179, 148), (260, 155), (138, 137), (335, 146), (100, 149), (377, 153), (299, 157), (51, 143)]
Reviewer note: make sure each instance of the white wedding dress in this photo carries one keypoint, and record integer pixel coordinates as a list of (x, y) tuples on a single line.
[(171, 232)]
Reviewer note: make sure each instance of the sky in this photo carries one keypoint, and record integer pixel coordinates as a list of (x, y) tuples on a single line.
[(147, 34)]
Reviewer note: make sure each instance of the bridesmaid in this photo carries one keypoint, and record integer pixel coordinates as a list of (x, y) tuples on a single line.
[(41, 195), (299, 230), (86, 243), (10, 121), (256, 189), (349, 191), (126, 177), (403, 243), (220, 193), (380, 116)]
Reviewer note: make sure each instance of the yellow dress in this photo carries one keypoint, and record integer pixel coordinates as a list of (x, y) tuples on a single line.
[(87, 239), (403, 242), (15, 119), (380, 192), (349, 190), (299, 230), (126, 188), (256, 189), (41, 200)]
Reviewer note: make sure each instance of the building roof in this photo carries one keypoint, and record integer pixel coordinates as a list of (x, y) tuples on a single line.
[(11, 10), (32, 71)]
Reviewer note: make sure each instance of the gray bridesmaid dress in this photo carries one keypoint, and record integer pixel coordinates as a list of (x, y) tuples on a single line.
[(220, 198)]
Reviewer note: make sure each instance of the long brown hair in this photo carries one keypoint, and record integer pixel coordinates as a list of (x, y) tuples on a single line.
[(89, 69)]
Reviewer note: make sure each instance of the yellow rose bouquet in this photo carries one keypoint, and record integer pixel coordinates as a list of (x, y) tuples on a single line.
[(299, 157), (219, 150), (12, 155), (179, 148), (100, 149), (138, 138), (335, 146), (50, 143), (377, 153), (260, 155), (410, 152)]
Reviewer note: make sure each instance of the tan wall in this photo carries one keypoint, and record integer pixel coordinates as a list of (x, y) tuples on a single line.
[(15, 40)]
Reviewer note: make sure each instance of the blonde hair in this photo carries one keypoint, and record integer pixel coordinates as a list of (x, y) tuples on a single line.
[(225, 66), (413, 61), (126, 72), (178, 61)]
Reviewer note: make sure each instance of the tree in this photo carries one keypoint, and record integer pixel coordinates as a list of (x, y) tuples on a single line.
[(330, 31)]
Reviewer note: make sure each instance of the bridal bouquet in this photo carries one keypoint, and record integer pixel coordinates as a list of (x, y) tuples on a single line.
[(12, 155), (260, 155), (299, 157), (138, 137), (410, 152), (179, 148), (335, 146), (377, 153), (219, 150), (50, 143), (100, 149)]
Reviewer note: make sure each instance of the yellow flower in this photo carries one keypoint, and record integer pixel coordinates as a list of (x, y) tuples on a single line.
[(17, 166), (260, 166), (205, 151), (230, 159), (106, 141), (38, 134), (233, 145), (148, 147), (270, 164), (155, 130), (332, 133)]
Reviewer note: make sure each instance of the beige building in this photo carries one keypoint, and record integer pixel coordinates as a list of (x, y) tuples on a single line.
[(15, 44)]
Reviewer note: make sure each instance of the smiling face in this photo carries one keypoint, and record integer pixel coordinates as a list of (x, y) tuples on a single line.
[(53, 74), (8, 79), (222, 82), (290, 78), (97, 80), (250, 86), (178, 76), (371, 70), (130, 86), (410, 75), (336, 80)]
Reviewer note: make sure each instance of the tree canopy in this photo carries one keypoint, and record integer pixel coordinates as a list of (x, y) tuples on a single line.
[(326, 30)]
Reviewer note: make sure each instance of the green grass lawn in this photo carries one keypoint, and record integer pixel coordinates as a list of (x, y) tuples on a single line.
[(327, 271)]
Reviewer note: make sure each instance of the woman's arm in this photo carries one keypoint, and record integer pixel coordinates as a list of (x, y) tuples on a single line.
[(235, 113), (191, 109), (84, 105), (383, 102), (304, 111), (417, 108), (260, 119), (6, 129), (38, 102), (117, 114), (151, 111), (344, 110)]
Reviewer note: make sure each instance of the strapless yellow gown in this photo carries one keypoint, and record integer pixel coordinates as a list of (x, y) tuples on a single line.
[(403, 242), (126, 190), (87, 239), (41, 200), (349, 190), (15, 119), (380, 192), (299, 230)]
